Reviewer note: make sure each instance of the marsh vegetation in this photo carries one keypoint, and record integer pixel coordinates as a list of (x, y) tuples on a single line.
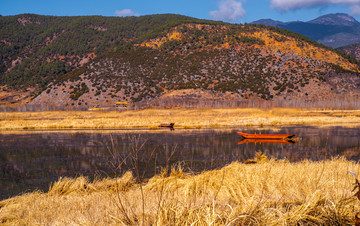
[(269, 192), (183, 118)]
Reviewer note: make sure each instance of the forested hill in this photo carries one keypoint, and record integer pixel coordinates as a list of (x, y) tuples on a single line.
[(95, 61), (35, 49)]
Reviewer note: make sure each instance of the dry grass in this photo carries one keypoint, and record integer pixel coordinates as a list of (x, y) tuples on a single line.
[(267, 193), (183, 118)]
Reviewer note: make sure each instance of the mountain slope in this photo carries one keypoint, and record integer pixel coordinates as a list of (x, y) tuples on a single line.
[(35, 50), (65, 41), (353, 50), (235, 63), (338, 19), (334, 30), (162, 60)]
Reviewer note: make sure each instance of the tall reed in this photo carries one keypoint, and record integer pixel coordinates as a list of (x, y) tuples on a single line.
[(267, 192)]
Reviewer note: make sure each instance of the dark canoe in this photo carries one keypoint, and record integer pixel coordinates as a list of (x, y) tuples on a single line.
[(168, 125), (266, 136)]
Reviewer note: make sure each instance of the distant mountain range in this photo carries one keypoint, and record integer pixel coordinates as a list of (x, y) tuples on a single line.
[(334, 30)]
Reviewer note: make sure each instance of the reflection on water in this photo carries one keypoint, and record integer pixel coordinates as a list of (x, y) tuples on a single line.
[(271, 141), (33, 160)]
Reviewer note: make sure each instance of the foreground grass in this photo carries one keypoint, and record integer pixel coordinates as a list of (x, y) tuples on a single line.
[(267, 193), (183, 118)]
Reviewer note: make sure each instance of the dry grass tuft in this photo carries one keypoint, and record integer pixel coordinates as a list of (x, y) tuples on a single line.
[(66, 186), (259, 158), (267, 193)]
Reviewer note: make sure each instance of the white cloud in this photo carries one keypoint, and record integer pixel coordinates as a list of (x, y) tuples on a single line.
[(229, 10), (126, 12), (355, 10), (286, 5)]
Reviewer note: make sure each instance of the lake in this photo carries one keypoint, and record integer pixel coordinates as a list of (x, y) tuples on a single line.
[(31, 160)]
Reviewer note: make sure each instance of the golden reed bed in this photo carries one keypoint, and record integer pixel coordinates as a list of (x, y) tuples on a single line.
[(266, 193), (183, 118)]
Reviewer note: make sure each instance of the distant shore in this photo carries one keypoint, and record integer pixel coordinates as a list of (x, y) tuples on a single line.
[(183, 118)]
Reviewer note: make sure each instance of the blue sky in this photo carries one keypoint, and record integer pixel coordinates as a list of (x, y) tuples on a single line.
[(236, 11)]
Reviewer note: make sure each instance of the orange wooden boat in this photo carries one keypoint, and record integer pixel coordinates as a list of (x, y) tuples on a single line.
[(266, 136), (273, 141)]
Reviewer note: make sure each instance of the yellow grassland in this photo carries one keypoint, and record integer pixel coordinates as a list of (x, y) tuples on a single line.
[(266, 193), (183, 118)]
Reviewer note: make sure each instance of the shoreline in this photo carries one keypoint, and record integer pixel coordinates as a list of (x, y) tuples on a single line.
[(183, 118)]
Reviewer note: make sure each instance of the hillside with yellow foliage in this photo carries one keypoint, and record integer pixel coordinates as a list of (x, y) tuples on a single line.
[(271, 41)]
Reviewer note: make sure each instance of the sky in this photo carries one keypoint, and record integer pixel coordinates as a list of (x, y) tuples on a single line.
[(234, 11)]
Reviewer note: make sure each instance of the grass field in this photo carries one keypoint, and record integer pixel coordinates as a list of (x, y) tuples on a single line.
[(268, 192), (183, 118)]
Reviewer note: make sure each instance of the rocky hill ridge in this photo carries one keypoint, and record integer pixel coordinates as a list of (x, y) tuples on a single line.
[(246, 62)]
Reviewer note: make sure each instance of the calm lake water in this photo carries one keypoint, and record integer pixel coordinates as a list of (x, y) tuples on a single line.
[(34, 159)]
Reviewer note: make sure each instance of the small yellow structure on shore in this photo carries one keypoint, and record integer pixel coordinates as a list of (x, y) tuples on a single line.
[(123, 104)]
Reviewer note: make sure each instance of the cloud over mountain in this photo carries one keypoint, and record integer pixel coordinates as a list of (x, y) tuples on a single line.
[(355, 10), (126, 12), (229, 10), (287, 5)]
